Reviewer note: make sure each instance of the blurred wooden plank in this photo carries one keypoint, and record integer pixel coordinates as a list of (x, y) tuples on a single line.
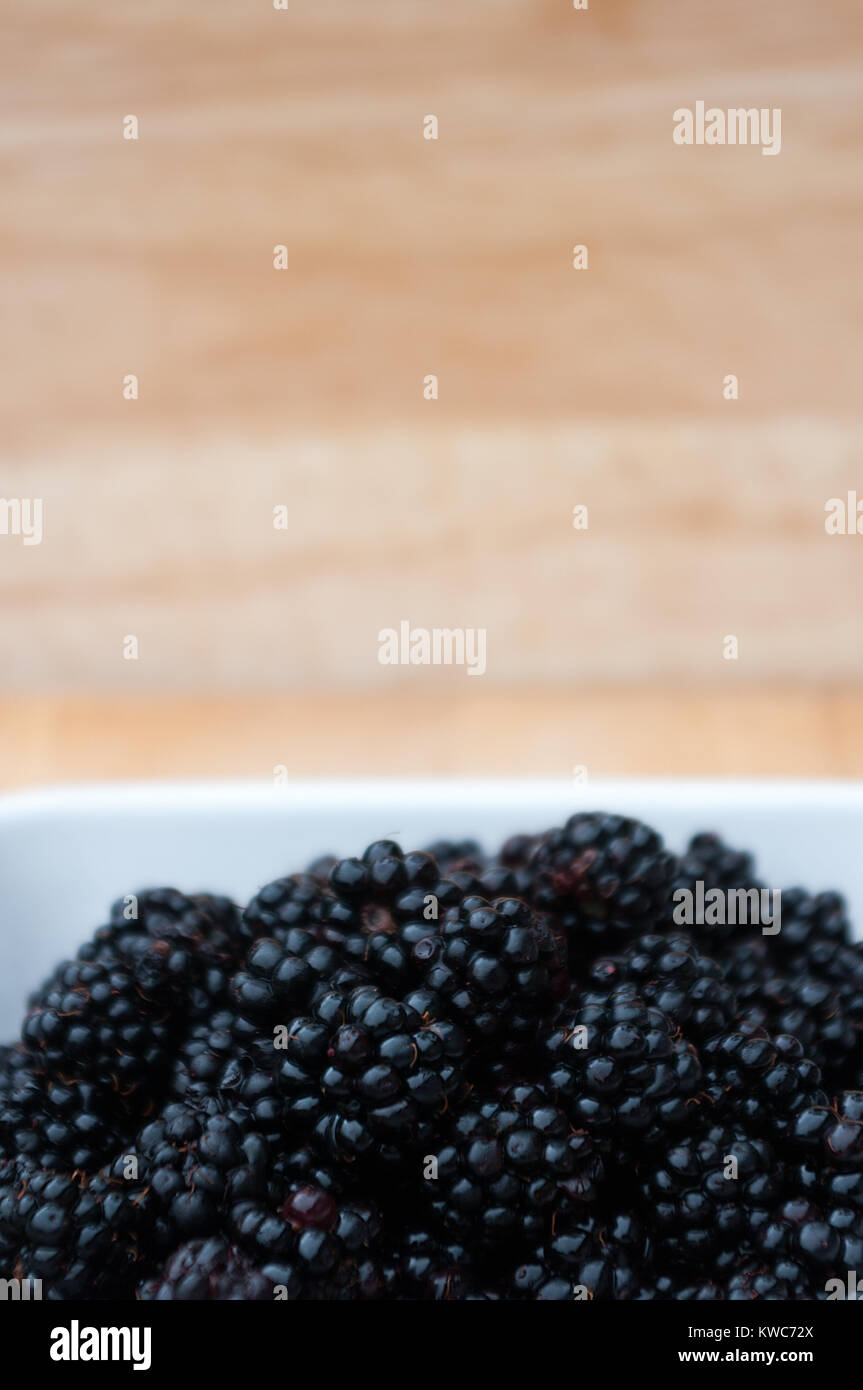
[(652, 733)]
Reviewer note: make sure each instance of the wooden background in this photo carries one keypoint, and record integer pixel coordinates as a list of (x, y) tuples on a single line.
[(304, 388)]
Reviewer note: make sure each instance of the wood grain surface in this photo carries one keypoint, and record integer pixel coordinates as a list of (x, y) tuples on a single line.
[(407, 257), (764, 733)]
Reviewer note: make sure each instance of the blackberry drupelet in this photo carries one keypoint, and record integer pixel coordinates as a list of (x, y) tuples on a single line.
[(605, 877)]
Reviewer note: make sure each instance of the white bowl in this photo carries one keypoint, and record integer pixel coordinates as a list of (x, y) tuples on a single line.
[(65, 855)]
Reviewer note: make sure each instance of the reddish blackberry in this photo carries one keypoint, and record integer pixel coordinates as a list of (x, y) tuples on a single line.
[(370, 1074), (618, 1067), (759, 1082), (208, 1270), (507, 1167), (671, 973), (605, 877), (709, 1193)]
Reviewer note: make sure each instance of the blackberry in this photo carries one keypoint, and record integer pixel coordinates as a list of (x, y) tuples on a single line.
[(197, 1168), (605, 877), (809, 921), (83, 1237), (205, 927), (55, 1123), (314, 1246), (672, 974), (700, 1203), (497, 968), (112, 1016), (827, 1142), (457, 856), (279, 975), (759, 1082), (770, 1281), (593, 1256), (507, 1167), (369, 1074), (618, 1067), (208, 1270), (709, 861), (807, 1246)]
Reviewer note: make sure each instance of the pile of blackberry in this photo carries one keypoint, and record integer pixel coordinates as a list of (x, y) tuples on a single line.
[(446, 1075)]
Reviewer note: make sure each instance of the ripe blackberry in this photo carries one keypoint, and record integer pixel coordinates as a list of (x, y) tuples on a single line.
[(605, 877), (205, 927), (811, 1009), (759, 1082), (827, 1143), (112, 1016), (314, 1246), (807, 1246), (671, 973), (770, 1281), (55, 1123), (507, 1167), (710, 862), (197, 1167), (423, 1268), (369, 1074), (811, 920), (84, 1237), (497, 968), (701, 1203), (279, 975), (208, 1270), (618, 1067), (592, 1256), (457, 857)]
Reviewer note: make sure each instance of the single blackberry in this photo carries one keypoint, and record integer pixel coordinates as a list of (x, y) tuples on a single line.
[(83, 1237), (807, 1246), (759, 1082), (827, 1142), (55, 1123), (810, 1009), (592, 1256), (279, 975), (809, 921), (198, 1167), (457, 856), (314, 1246), (423, 1268), (497, 967), (208, 1270), (207, 928), (112, 1016), (769, 1281), (618, 1067), (708, 1193), (708, 861), (605, 877), (369, 1075), (507, 1168), (672, 974)]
